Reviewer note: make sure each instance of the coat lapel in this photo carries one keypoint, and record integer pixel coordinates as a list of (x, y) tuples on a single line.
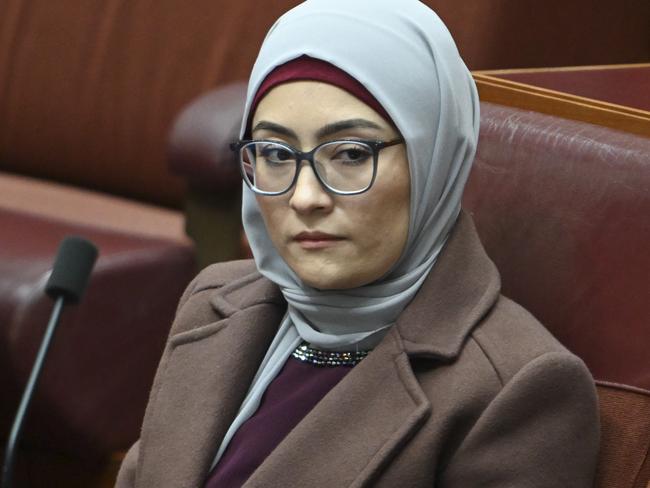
[(355, 430), (205, 375), (462, 287)]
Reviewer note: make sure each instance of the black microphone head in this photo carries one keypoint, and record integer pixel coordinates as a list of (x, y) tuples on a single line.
[(74, 262)]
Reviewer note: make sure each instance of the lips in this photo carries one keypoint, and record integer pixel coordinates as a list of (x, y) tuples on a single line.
[(317, 240)]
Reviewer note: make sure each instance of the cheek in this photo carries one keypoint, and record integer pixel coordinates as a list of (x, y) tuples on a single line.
[(383, 224)]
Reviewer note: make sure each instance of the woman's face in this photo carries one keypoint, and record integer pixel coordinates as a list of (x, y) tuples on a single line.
[(333, 241)]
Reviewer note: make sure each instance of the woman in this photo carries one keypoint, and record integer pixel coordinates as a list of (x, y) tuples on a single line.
[(367, 344)]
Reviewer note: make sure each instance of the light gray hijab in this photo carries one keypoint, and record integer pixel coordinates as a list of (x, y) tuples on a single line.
[(405, 57)]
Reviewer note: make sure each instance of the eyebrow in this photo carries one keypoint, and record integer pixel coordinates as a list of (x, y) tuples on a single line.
[(276, 128), (327, 130)]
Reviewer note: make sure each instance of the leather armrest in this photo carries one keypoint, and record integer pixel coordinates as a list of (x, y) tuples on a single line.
[(199, 139), (94, 388)]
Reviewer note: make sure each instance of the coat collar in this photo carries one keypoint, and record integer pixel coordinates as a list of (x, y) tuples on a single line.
[(461, 289)]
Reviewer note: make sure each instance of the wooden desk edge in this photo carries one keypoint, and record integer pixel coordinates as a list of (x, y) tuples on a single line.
[(551, 102), (594, 67)]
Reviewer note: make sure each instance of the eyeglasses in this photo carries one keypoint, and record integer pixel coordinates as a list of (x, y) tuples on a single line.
[(344, 167)]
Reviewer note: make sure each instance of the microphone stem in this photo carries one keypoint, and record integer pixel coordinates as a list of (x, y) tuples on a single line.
[(16, 429)]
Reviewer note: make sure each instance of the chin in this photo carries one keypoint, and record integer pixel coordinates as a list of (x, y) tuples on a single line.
[(331, 281), (320, 282), (326, 285), (333, 272)]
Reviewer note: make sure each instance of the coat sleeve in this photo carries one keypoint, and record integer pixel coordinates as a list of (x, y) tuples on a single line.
[(541, 430), (126, 474)]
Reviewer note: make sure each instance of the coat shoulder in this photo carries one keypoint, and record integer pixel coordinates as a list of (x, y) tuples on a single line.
[(195, 308), (510, 338), (220, 274), (530, 387)]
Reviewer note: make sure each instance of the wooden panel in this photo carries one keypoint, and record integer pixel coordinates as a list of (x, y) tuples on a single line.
[(529, 97), (627, 85)]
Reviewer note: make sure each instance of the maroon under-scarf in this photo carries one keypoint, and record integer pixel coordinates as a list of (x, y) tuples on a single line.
[(306, 68)]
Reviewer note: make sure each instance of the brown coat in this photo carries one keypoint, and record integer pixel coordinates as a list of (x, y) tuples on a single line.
[(467, 390)]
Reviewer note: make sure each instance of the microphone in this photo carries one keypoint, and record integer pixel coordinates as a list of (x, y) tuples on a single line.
[(66, 284)]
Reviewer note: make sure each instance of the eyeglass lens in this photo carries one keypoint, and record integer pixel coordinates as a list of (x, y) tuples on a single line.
[(342, 165)]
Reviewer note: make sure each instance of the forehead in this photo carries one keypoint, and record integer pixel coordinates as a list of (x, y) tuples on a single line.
[(308, 105)]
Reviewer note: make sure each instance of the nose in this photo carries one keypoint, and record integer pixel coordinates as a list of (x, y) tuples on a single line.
[(308, 194)]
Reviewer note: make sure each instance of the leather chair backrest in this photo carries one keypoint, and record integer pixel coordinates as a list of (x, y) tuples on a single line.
[(563, 208)]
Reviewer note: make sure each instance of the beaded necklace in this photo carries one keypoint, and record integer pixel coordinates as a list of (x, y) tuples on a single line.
[(310, 355)]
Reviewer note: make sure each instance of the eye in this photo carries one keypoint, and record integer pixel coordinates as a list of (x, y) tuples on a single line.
[(351, 154), (276, 154)]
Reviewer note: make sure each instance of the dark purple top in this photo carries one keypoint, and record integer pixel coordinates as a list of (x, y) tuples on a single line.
[(290, 396)]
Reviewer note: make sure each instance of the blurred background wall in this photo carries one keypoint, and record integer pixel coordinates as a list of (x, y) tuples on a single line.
[(89, 88)]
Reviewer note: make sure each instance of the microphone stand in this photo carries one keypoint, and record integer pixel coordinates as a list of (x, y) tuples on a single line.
[(7, 470)]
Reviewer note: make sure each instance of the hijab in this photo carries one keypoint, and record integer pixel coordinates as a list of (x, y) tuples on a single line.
[(403, 54)]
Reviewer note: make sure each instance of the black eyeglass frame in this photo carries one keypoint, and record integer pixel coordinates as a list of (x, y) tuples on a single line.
[(308, 156)]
